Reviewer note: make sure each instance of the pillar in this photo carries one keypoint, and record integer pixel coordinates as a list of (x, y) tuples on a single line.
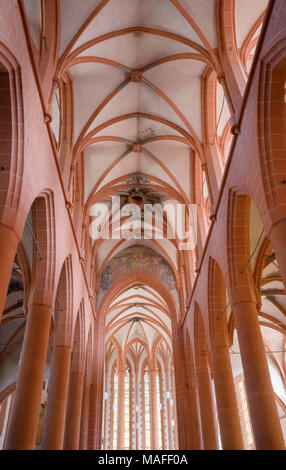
[(92, 415), (194, 400), (183, 412), (153, 409), (120, 408), (73, 416), (228, 414), (54, 425), (25, 415), (196, 425), (84, 416), (8, 248), (262, 406), (96, 388)]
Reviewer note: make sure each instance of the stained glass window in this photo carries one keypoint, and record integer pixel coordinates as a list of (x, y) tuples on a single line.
[(245, 414), (159, 411), (127, 411), (147, 410), (115, 397)]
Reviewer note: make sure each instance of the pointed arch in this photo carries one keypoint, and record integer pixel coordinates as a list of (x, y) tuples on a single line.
[(64, 305), (12, 135), (271, 128)]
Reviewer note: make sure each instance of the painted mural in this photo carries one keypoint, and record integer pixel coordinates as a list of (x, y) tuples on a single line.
[(137, 259)]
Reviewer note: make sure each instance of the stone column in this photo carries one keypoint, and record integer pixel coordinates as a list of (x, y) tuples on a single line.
[(228, 415), (73, 416), (183, 411), (194, 400), (96, 388), (54, 425), (25, 415), (84, 415), (262, 406)]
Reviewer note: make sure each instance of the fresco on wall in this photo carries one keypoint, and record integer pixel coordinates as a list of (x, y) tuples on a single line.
[(137, 259)]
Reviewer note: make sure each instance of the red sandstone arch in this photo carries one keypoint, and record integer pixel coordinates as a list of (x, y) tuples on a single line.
[(50, 42), (109, 189), (140, 341), (201, 346), (209, 122), (133, 279), (271, 131), (79, 339), (66, 59), (250, 42), (43, 280), (233, 72), (217, 304), (65, 144), (88, 137), (41, 303), (12, 135), (238, 247), (77, 195), (64, 305)]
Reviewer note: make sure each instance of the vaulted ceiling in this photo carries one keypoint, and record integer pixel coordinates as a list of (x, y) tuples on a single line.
[(137, 325), (141, 110), (138, 71)]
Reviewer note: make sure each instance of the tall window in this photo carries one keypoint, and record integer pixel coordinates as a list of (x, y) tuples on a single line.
[(115, 397), (147, 409), (247, 431), (127, 411), (159, 410)]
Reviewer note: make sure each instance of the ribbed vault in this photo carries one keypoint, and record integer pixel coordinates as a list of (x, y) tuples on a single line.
[(143, 102)]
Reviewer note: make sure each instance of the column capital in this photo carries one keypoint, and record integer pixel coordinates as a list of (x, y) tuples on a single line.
[(245, 292)]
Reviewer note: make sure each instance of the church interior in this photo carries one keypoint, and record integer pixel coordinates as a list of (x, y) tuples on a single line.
[(119, 330)]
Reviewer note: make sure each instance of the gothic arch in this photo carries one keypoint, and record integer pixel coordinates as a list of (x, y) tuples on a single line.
[(12, 125), (271, 129)]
